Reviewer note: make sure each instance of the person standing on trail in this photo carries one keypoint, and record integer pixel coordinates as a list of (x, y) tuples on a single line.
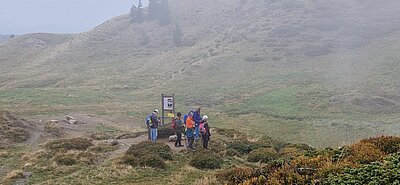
[(154, 125), (178, 126), (197, 121), (205, 131), (190, 130)]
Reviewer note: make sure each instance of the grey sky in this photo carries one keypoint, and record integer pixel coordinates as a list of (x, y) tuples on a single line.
[(58, 16)]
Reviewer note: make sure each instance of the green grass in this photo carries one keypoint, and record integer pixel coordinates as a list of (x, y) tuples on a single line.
[(52, 96), (293, 101)]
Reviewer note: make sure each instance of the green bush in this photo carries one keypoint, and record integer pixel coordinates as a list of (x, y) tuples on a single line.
[(235, 175), (264, 155), (70, 144), (148, 147), (205, 159), (242, 174), (375, 173), (67, 160), (152, 161), (242, 146), (148, 154)]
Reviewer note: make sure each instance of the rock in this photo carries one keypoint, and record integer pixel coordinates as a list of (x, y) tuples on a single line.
[(112, 142), (173, 138), (52, 121), (27, 174), (69, 117), (72, 121)]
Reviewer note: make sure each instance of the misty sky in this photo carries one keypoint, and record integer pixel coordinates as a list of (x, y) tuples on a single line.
[(58, 16)]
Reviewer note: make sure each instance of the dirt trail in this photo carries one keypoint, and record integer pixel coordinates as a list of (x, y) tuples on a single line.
[(124, 144)]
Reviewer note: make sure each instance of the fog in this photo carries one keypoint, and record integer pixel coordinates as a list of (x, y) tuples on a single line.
[(60, 16)]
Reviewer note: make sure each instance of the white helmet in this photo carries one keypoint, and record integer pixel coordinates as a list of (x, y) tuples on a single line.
[(156, 110), (205, 117)]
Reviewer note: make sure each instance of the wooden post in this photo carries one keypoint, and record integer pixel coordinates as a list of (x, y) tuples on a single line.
[(162, 109)]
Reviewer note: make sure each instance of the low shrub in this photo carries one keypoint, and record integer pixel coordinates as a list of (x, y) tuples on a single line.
[(152, 161), (70, 144), (264, 155), (235, 175), (148, 147), (387, 144), (242, 174), (205, 159), (67, 160), (375, 173), (148, 154), (365, 153), (53, 129), (260, 180), (243, 146)]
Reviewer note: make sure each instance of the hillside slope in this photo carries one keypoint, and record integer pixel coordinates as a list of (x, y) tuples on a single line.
[(314, 66), (4, 38)]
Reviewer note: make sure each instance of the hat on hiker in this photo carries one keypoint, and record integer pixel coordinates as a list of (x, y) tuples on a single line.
[(205, 117), (155, 110)]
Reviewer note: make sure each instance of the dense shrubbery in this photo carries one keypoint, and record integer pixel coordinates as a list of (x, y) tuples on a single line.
[(205, 159), (241, 174), (264, 155), (70, 144), (236, 175), (365, 153), (375, 173), (387, 144), (148, 154)]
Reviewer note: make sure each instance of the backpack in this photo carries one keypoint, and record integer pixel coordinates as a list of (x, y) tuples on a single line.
[(148, 120), (201, 128), (173, 123)]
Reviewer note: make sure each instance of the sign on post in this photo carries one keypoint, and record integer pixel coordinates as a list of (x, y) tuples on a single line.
[(168, 107)]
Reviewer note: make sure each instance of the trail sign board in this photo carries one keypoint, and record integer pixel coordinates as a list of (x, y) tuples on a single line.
[(168, 107)]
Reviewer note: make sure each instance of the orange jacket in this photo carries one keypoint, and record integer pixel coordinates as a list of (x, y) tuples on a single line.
[(190, 122)]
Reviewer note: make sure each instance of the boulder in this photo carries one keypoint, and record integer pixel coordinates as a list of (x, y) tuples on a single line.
[(112, 142), (69, 117), (72, 121), (173, 138)]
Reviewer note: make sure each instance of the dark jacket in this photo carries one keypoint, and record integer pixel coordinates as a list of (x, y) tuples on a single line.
[(154, 121), (206, 129), (197, 118), (178, 125)]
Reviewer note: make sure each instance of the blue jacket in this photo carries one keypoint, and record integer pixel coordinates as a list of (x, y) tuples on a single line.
[(154, 121), (197, 118)]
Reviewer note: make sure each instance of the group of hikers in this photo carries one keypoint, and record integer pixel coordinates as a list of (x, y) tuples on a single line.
[(192, 125)]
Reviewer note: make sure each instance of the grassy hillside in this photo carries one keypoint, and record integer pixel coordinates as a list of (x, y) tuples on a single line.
[(4, 38), (324, 73)]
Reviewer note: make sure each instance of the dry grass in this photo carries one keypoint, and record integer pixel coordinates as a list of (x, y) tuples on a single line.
[(12, 176)]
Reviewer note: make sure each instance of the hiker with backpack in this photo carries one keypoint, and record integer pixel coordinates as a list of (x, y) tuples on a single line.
[(152, 124), (205, 131), (190, 130), (197, 120), (178, 126)]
